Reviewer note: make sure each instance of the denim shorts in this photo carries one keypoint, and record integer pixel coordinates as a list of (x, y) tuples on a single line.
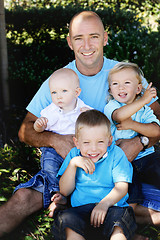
[(78, 219), (145, 187), (45, 181)]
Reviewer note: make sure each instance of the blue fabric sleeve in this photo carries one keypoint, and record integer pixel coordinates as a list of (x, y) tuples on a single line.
[(122, 170), (149, 116)]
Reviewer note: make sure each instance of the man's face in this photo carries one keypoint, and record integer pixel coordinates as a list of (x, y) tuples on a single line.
[(87, 39)]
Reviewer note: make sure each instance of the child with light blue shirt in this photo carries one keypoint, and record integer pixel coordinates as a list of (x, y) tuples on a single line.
[(96, 173), (130, 116)]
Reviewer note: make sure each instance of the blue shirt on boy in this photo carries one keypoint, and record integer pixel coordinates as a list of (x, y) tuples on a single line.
[(92, 188)]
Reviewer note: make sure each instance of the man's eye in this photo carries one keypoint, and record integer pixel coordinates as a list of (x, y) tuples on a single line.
[(53, 92), (64, 90), (78, 39), (127, 82), (101, 142), (85, 142), (94, 36)]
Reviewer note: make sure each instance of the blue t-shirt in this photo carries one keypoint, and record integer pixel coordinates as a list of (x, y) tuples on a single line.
[(144, 115), (94, 89), (92, 188)]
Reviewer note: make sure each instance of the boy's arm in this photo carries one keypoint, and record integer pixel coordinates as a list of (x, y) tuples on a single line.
[(100, 210), (133, 146), (61, 143), (67, 180), (128, 110), (146, 129)]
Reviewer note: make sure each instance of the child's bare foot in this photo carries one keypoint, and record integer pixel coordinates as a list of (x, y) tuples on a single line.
[(58, 202)]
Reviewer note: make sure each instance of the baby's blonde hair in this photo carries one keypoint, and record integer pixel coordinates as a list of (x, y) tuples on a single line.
[(126, 65)]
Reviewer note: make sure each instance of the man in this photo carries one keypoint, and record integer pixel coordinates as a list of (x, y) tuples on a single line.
[(87, 39)]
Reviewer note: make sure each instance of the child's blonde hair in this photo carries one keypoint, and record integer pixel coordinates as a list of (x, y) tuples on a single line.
[(124, 65), (92, 118)]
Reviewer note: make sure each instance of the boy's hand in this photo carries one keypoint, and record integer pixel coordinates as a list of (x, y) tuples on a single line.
[(149, 93), (98, 214), (85, 163), (40, 124)]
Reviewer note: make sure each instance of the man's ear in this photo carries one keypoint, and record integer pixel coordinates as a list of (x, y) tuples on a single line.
[(69, 42), (76, 142), (139, 88), (105, 38), (78, 91)]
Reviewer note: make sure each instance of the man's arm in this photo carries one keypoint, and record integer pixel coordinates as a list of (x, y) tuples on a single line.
[(61, 143), (133, 146)]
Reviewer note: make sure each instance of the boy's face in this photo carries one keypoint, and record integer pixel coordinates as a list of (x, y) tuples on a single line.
[(124, 86), (93, 141), (64, 92)]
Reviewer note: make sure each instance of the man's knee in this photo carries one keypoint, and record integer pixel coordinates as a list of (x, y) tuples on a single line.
[(28, 197)]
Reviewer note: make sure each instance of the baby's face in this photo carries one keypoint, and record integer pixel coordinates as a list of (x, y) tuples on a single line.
[(125, 86), (93, 141), (63, 92)]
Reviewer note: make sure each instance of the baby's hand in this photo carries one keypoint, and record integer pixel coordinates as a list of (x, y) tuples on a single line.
[(40, 124), (149, 93)]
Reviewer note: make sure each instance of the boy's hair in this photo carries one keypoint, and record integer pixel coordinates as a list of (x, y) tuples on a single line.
[(127, 65), (92, 118)]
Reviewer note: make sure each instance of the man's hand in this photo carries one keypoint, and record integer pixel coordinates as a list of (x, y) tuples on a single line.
[(63, 144), (131, 147), (98, 214)]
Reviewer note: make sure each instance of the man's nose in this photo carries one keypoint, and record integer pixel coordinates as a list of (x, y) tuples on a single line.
[(87, 43)]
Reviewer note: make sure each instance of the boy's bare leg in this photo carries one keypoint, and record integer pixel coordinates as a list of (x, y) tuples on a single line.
[(71, 235), (22, 204), (118, 234)]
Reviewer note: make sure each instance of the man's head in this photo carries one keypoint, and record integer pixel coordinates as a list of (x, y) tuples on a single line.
[(64, 88), (92, 134), (87, 39)]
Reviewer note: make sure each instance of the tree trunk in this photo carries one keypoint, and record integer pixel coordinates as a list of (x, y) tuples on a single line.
[(4, 86)]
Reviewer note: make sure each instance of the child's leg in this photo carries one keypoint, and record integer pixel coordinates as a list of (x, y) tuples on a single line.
[(72, 235), (118, 234)]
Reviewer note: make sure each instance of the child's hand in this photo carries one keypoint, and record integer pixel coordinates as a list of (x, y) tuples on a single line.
[(98, 214), (85, 163), (149, 93), (125, 125), (40, 124)]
